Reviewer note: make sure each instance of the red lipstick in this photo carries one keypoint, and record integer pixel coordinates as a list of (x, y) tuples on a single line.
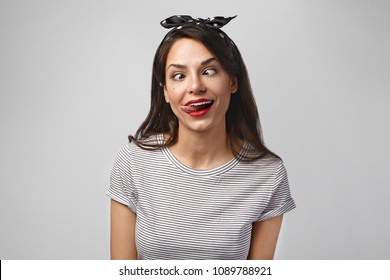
[(197, 107), (196, 101)]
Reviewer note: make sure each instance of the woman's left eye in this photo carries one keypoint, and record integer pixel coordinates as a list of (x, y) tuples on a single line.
[(210, 72)]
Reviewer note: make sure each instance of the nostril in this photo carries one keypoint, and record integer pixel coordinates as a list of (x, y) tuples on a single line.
[(198, 89)]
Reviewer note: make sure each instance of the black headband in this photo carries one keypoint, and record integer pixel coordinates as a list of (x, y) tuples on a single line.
[(178, 21)]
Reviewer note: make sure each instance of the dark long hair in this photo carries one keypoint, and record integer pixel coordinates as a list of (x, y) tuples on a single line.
[(242, 117)]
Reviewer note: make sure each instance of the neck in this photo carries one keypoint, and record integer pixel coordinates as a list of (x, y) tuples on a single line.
[(202, 150)]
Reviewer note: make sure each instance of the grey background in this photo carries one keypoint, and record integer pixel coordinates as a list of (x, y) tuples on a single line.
[(75, 81)]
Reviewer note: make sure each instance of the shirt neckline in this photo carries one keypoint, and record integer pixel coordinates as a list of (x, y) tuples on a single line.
[(207, 172)]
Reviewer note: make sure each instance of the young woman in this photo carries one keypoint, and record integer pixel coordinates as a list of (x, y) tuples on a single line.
[(196, 180)]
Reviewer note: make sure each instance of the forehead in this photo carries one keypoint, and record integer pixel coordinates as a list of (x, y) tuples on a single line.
[(187, 51)]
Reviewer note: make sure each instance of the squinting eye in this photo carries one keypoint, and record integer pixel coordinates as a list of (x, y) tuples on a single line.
[(178, 76), (210, 72)]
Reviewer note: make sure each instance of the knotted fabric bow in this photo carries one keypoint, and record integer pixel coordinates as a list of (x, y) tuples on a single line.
[(177, 21)]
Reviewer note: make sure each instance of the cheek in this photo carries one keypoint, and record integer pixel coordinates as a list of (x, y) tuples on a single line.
[(173, 95), (223, 92), (174, 92), (221, 86)]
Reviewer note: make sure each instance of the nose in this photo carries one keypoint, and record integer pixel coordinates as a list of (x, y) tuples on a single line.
[(196, 85)]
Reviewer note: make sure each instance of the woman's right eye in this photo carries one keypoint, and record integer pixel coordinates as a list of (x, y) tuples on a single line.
[(178, 76)]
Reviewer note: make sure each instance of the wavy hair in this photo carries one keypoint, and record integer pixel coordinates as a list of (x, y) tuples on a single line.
[(242, 117)]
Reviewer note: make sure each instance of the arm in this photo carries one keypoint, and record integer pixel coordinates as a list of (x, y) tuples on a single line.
[(264, 237), (122, 232)]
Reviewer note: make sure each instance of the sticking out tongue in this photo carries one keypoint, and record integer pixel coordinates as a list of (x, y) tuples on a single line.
[(195, 107)]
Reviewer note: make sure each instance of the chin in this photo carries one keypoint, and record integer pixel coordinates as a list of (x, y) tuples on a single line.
[(202, 126)]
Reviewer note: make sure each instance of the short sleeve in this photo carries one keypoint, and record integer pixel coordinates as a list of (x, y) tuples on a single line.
[(121, 186), (280, 201)]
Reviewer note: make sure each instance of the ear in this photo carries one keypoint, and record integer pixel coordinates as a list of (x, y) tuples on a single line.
[(166, 94), (233, 84)]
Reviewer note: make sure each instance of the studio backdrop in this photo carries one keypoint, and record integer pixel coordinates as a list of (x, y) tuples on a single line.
[(75, 81)]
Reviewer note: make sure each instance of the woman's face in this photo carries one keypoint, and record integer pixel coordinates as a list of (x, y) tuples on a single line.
[(197, 87)]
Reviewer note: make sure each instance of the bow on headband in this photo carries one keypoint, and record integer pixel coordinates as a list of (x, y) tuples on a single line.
[(177, 21)]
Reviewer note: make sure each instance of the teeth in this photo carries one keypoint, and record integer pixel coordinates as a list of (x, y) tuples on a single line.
[(201, 103)]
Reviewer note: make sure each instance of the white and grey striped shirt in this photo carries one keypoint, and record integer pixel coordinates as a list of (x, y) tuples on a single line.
[(183, 213)]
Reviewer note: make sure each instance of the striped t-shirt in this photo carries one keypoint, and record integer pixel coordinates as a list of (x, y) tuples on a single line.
[(183, 213)]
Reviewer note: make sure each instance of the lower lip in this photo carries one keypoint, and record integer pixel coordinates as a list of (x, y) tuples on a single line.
[(200, 113)]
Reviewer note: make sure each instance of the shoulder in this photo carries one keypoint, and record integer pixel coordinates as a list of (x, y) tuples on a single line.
[(268, 163), (140, 145), (268, 166), (141, 153), (256, 159), (273, 168)]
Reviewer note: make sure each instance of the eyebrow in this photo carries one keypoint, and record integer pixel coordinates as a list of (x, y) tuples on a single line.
[(181, 66)]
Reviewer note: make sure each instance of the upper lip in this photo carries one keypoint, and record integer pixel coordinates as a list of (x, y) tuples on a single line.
[(196, 101)]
